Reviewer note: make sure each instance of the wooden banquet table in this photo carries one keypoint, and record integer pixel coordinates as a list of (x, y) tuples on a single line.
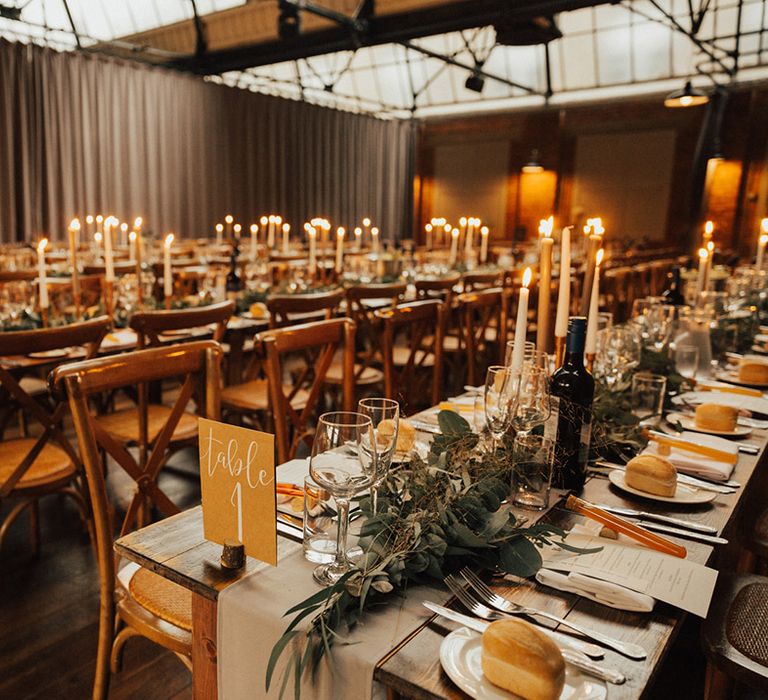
[(175, 549)]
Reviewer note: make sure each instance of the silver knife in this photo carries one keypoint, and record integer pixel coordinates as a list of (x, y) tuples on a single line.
[(576, 659), (562, 640), (668, 519), (723, 487), (658, 527)]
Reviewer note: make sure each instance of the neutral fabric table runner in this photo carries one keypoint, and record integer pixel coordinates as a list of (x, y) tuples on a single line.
[(250, 621)]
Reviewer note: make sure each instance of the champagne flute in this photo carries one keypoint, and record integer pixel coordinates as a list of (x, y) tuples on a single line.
[(500, 388), (385, 417), (343, 461)]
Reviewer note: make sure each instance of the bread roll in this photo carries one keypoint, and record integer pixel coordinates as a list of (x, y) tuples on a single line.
[(712, 416), (521, 659), (406, 434), (652, 474), (751, 372)]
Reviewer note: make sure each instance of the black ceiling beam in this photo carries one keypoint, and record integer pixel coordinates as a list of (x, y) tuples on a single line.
[(381, 29)]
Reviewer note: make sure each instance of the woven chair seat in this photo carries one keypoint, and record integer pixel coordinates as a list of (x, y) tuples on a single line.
[(254, 396), (747, 625), (760, 535), (124, 425), (51, 466), (370, 375), (400, 357), (163, 598)]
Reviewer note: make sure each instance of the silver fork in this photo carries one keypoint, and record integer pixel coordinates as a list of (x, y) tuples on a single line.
[(633, 651), (574, 658)]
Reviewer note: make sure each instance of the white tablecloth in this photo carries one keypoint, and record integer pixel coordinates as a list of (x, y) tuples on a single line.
[(250, 621)]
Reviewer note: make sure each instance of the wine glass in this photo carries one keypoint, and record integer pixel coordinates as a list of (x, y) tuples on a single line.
[(529, 350), (531, 400), (500, 386), (385, 417), (658, 326), (618, 353), (343, 461), (687, 360)]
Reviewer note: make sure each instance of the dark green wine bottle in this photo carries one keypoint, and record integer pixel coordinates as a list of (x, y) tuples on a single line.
[(574, 388)]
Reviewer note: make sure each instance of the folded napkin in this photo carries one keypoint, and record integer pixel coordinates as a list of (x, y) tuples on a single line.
[(696, 464), (610, 594)]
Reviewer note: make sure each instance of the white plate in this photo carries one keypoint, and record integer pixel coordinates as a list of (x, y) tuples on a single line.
[(460, 655), (689, 423), (733, 378), (50, 354), (684, 494)]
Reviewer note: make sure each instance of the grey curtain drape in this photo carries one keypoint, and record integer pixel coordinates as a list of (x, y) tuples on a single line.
[(83, 133)]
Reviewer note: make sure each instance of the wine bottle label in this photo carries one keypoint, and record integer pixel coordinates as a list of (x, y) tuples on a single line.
[(586, 434), (550, 426)]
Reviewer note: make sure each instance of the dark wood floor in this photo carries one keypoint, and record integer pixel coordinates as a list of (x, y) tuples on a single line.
[(49, 611), (49, 624)]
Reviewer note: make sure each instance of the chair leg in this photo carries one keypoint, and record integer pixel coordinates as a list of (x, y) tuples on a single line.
[(116, 658), (186, 660), (717, 686), (103, 654), (14, 513)]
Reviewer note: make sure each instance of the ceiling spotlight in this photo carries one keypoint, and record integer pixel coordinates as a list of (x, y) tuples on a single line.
[(533, 165), (475, 82), (689, 96)]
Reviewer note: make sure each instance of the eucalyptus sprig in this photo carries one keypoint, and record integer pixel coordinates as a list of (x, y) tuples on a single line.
[(434, 516)]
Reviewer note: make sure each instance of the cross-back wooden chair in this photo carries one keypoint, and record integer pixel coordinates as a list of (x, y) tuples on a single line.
[(133, 600), (440, 289), (32, 467), (485, 315), (363, 301), (150, 325), (287, 309), (141, 425), (315, 344), (413, 370), (474, 281)]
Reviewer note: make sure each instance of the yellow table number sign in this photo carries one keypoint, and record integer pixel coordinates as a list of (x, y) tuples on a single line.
[(237, 476)]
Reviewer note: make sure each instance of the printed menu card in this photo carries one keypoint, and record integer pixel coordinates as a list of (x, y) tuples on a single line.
[(237, 476)]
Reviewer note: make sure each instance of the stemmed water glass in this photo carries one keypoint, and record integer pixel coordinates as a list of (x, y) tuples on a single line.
[(500, 387), (531, 399), (687, 360), (385, 417), (343, 461), (618, 353)]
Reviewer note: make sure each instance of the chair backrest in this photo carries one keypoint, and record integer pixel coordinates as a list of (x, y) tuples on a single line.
[(364, 315), (473, 281), (312, 347), (194, 361), (420, 322), (150, 325), (485, 315), (25, 275), (286, 309), (87, 335), (122, 267), (440, 289)]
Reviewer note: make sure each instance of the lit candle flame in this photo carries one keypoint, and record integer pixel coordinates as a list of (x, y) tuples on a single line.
[(254, 229), (455, 233), (447, 228), (123, 227), (237, 228), (97, 236), (169, 240), (132, 236), (366, 222), (428, 228), (703, 255), (286, 227), (484, 231), (99, 218), (599, 257), (709, 227), (229, 218), (74, 225), (89, 219), (764, 239), (463, 220), (764, 224), (219, 228), (340, 232), (358, 231), (527, 277), (42, 245), (710, 247), (546, 226), (137, 222), (374, 231), (263, 220)]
